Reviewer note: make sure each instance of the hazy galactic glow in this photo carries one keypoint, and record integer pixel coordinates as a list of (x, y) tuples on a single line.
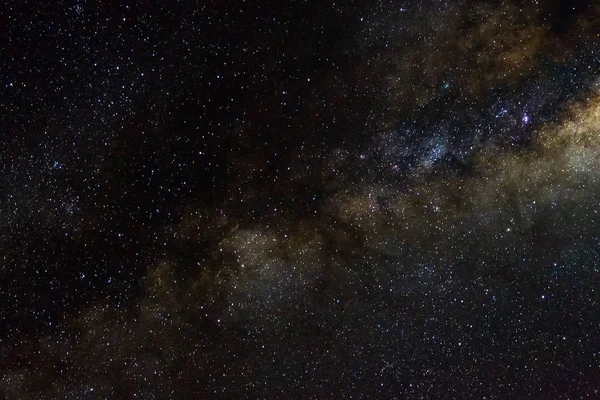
[(312, 200)]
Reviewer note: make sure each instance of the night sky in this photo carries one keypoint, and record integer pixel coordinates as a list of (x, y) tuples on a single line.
[(300, 200)]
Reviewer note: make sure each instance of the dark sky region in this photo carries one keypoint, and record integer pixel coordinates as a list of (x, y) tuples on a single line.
[(300, 200)]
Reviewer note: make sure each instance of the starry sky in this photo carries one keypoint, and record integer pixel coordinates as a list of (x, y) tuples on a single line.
[(300, 199)]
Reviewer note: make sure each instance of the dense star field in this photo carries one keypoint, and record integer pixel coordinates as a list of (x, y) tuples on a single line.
[(292, 199)]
